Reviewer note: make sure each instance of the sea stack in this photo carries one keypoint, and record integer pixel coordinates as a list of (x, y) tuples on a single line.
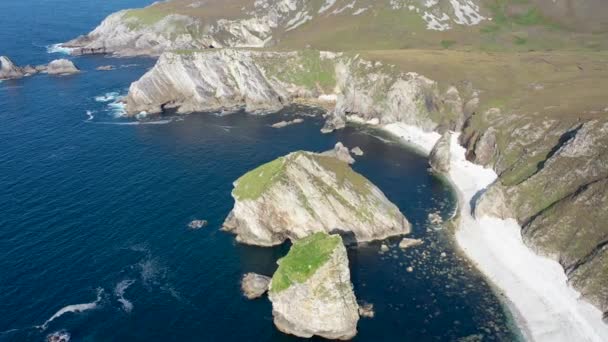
[(439, 159), (303, 193), (311, 291)]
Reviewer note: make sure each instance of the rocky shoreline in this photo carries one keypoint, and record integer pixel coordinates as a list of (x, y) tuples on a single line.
[(372, 93), (537, 291)]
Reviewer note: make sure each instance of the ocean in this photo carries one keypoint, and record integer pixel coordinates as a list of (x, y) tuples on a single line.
[(94, 242)]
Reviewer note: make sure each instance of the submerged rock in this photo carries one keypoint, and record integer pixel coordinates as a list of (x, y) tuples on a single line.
[(304, 192), (61, 67), (439, 159), (367, 310), (58, 336), (311, 291), (105, 68), (282, 124), (340, 152), (254, 285), (197, 224), (407, 243)]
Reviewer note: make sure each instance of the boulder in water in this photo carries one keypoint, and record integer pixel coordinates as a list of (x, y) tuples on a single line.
[(61, 67), (254, 285), (197, 224), (357, 151), (407, 243)]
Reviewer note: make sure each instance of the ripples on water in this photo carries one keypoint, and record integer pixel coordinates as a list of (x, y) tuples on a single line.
[(95, 210)]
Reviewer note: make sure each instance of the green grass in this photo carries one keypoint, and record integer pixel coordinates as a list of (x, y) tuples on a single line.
[(446, 44), (145, 16), (255, 182), (312, 71), (303, 260), (519, 40)]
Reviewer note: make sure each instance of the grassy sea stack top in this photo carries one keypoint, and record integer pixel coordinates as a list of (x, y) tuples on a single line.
[(305, 257)]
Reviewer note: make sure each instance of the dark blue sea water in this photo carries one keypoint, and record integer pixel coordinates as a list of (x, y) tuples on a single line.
[(94, 209)]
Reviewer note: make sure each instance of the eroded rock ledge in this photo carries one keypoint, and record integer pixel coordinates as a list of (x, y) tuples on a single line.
[(303, 193)]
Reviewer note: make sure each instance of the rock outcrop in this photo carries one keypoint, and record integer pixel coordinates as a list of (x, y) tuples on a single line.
[(303, 193), (8, 70), (204, 81), (439, 159), (61, 67), (311, 291), (341, 153), (254, 285)]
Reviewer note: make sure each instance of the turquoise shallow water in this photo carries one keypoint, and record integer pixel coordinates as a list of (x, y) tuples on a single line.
[(95, 208)]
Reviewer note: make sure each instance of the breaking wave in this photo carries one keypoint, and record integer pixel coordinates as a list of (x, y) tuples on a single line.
[(57, 48), (73, 308), (107, 97), (119, 291)]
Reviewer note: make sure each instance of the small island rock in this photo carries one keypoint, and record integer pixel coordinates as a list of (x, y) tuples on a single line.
[(303, 193), (357, 151), (311, 291), (254, 285), (61, 67), (407, 243), (282, 124)]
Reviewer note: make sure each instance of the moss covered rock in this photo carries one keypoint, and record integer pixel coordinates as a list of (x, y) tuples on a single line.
[(311, 291), (303, 193)]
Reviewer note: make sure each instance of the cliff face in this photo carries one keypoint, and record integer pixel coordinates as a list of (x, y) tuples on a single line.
[(222, 79), (558, 195), (303, 193), (311, 291), (227, 78), (546, 164)]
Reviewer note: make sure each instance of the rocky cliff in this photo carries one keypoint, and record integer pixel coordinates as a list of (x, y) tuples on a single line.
[(303, 193), (558, 194), (311, 291), (365, 91), (546, 162)]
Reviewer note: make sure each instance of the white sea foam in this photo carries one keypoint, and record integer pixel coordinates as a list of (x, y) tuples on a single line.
[(57, 48), (75, 308), (59, 336), (90, 115), (546, 307), (119, 291), (133, 123), (107, 97), (117, 108)]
